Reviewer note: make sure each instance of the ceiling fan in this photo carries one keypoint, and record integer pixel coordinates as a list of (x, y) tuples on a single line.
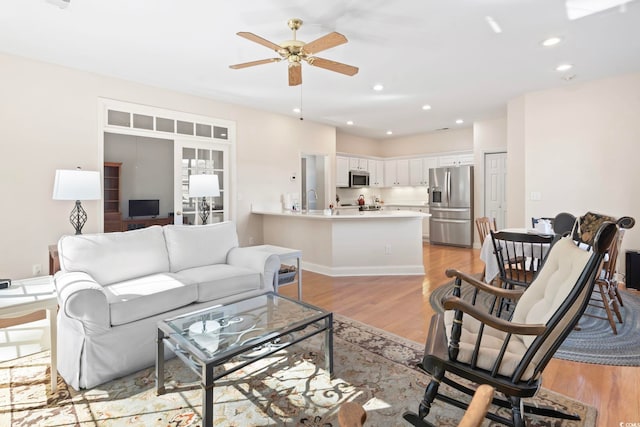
[(296, 51)]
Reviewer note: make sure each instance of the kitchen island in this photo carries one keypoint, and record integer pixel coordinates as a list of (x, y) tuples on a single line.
[(350, 244)]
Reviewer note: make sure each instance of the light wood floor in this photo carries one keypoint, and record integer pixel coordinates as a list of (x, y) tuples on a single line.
[(401, 305)]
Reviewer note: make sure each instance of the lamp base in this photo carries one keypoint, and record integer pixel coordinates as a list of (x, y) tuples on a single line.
[(204, 210), (78, 217)]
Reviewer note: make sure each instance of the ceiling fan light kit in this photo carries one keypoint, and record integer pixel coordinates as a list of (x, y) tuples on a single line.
[(295, 51)]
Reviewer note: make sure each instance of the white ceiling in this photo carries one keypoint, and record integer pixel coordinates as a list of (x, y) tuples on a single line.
[(442, 53)]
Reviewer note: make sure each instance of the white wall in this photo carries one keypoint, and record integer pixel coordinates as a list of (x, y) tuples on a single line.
[(49, 121), (146, 171), (581, 145)]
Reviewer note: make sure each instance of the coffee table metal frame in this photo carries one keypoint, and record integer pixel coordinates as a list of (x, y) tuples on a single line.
[(204, 366)]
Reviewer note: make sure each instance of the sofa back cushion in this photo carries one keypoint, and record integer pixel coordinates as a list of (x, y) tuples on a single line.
[(192, 246), (114, 257)]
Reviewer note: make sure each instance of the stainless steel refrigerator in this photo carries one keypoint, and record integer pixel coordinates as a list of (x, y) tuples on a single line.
[(451, 206)]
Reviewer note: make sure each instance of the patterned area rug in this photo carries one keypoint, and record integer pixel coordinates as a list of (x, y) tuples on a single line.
[(372, 367), (594, 342)]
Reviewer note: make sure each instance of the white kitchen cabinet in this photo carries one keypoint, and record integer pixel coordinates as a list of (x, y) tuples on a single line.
[(419, 170), (342, 171), (396, 172), (456, 159), (376, 173), (358, 164)]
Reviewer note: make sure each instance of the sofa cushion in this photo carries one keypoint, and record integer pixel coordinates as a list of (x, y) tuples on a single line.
[(221, 280), (113, 257), (143, 297), (199, 245)]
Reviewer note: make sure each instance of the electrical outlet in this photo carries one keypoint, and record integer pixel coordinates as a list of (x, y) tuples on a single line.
[(36, 269), (387, 249)]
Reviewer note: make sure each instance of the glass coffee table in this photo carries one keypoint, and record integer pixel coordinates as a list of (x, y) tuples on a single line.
[(240, 332)]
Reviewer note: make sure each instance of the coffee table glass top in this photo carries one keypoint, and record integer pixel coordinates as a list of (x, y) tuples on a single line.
[(222, 331)]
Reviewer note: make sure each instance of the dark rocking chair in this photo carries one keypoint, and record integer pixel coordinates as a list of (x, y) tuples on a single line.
[(510, 355)]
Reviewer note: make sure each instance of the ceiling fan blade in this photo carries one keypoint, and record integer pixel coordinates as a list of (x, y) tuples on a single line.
[(325, 42), (260, 40), (295, 74), (252, 63), (338, 67)]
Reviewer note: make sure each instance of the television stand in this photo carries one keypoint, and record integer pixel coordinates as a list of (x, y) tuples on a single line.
[(136, 223)]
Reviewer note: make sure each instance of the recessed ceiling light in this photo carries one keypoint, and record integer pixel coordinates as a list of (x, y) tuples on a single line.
[(551, 41), (350, 122), (493, 24), (378, 87), (389, 132), (426, 107), (459, 121), (564, 67), (296, 110)]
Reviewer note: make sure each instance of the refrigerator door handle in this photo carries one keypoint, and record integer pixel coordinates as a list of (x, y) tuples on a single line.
[(454, 221), (448, 187), (433, 209)]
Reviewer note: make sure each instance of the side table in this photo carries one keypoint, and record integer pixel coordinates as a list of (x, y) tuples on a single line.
[(28, 296), (285, 253)]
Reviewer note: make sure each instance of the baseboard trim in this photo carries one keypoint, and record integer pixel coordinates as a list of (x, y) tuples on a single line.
[(391, 270)]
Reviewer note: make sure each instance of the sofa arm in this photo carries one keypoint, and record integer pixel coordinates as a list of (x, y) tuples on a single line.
[(82, 298), (264, 262)]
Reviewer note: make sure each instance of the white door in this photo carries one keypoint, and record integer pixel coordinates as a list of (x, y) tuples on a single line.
[(197, 158), (495, 187)]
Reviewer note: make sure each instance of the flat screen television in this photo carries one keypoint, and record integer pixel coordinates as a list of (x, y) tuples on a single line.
[(144, 208)]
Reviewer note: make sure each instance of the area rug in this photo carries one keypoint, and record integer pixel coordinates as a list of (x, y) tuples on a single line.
[(372, 367), (594, 341)]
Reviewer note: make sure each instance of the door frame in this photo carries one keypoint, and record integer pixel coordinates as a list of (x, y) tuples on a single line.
[(106, 104)]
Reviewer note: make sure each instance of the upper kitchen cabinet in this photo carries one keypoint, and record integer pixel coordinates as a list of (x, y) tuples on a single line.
[(419, 170), (376, 173), (456, 160), (357, 164), (342, 171), (396, 172)]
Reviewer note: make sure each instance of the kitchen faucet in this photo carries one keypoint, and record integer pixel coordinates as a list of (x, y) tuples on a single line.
[(315, 197)]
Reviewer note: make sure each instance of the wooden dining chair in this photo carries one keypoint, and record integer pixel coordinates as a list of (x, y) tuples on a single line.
[(606, 295), (485, 225)]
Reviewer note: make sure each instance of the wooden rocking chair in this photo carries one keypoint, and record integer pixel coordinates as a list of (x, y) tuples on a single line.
[(510, 355)]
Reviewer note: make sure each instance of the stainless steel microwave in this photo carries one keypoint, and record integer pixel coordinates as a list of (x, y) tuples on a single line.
[(358, 179)]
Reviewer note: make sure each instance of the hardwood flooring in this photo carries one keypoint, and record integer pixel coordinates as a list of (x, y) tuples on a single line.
[(400, 305)]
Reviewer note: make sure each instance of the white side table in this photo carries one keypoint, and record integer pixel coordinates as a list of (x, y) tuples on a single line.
[(285, 253), (28, 296)]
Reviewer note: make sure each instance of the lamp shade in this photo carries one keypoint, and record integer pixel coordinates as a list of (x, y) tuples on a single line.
[(204, 185), (76, 185)]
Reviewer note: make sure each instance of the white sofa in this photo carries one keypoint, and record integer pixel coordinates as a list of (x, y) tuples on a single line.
[(113, 288)]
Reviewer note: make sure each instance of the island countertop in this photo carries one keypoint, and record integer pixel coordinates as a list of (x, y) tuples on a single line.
[(364, 215)]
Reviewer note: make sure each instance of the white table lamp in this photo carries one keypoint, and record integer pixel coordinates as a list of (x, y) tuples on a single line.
[(204, 185), (77, 185)]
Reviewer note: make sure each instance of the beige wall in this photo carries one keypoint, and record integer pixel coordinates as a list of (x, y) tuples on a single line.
[(489, 136), (49, 121), (347, 143), (579, 146), (427, 143), (515, 162), (424, 143)]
